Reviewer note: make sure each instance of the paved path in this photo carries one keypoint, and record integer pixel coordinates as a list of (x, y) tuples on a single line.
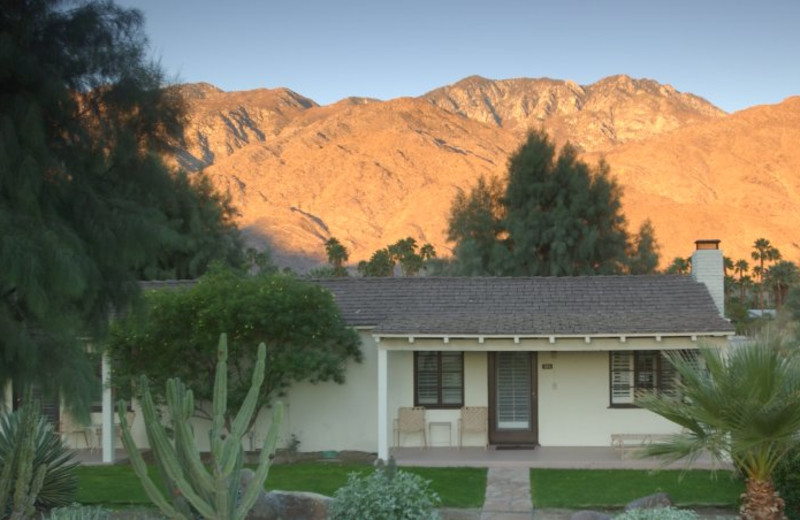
[(508, 494)]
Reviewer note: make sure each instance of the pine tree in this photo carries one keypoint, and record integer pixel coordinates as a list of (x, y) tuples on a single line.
[(86, 205), (557, 217)]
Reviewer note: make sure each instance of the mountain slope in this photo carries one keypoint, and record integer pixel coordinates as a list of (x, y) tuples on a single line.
[(370, 172)]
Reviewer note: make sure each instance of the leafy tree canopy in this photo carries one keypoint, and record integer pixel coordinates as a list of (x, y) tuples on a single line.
[(556, 217), (176, 333), (86, 205)]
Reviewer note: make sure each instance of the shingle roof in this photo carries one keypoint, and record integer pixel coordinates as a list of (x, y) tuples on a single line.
[(614, 305)]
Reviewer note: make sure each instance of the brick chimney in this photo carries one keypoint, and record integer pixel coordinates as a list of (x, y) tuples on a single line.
[(707, 267)]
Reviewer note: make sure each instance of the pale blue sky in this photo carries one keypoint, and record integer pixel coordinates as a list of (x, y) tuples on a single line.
[(734, 53)]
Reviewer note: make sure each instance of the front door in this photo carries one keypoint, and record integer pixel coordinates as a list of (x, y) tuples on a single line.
[(512, 398)]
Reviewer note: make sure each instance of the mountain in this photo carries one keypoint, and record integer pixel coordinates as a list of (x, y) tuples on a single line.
[(595, 117), (370, 172)]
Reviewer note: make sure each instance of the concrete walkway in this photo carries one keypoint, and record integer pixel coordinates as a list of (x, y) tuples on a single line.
[(508, 494)]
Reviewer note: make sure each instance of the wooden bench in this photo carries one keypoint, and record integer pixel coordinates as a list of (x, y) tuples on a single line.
[(625, 443)]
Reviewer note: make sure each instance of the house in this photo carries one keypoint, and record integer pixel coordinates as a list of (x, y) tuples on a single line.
[(556, 361)]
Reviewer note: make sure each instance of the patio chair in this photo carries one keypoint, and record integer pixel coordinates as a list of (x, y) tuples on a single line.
[(410, 420), (474, 419), (68, 427), (130, 416)]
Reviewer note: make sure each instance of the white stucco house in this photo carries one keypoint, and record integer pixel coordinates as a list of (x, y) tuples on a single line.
[(556, 361)]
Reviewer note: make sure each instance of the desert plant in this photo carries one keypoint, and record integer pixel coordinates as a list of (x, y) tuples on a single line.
[(659, 513), (739, 406), (386, 494), (37, 472), (195, 489), (79, 512)]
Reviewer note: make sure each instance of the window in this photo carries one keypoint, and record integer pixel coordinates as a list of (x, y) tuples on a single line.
[(439, 379), (642, 370)]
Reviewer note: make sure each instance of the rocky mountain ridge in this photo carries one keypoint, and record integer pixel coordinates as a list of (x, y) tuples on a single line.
[(370, 172)]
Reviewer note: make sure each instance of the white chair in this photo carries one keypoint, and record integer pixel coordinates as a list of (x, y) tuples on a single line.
[(68, 427), (474, 419), (410, 420)]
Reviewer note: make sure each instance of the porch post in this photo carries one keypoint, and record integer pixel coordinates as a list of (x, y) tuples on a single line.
[(383, 417), (108, 413)]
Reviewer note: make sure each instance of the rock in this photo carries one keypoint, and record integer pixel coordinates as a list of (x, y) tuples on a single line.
[(290, 505), (286, 505), (589, 515), (651, 502)]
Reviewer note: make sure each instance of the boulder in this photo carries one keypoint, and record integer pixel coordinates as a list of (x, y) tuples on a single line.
[(286, 505), (290, 505), (589, 515), (651, 502)]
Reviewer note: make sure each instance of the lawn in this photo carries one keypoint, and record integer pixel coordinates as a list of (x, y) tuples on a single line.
[(119, 486), (573, 488)]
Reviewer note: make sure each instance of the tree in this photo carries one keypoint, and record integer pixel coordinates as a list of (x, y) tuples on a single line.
[(740, 269), (763, 252), (557, 217), (780, 277), (475, 225), (381, 263), (680, 266), (175, 335), (643, 257), (84, 198), (739, 406), (404, 252), (337, 256)]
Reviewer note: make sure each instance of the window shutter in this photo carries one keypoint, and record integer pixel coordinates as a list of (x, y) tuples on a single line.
[(427, 378), (621, 377)]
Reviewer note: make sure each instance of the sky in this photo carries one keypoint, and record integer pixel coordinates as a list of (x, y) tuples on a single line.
[(734, 53)]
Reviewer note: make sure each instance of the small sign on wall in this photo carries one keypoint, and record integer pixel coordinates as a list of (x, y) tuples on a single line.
[(547, 366)]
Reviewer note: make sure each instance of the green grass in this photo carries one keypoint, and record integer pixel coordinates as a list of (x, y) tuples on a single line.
[(116, 486), (576, 489)]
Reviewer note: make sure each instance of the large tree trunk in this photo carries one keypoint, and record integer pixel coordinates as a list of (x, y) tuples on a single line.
[(760, 501)]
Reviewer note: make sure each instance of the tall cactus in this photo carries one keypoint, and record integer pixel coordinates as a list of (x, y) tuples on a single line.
[(210, 491)]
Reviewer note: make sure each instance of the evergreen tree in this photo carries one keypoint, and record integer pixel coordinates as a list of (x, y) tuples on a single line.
[(557, 217), (475, 225), (86, 205), (643, 259)]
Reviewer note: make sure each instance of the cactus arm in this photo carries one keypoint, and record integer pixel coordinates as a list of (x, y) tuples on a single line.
[(255, 487), (220, 401), (184, 438), (245, 413), (140, 468)]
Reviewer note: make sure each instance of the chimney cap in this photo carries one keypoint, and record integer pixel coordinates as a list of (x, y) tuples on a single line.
[(706, 244)]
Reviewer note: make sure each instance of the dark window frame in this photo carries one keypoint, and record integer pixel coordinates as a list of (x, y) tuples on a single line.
[(662, 380), (439, 405)]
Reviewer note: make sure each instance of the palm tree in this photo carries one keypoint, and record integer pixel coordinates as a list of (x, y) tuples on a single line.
[(740, 406), (763, 252), (337, 256), (680, 266), (740, 268), (780, 277)]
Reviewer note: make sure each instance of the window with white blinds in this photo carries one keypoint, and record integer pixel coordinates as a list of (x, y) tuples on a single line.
[(439, 379), (513, 406), (633, 371)]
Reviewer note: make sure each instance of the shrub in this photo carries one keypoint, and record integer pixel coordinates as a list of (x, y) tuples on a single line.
[(60, 483), (661, 513), (385, 494), (787, 482)]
